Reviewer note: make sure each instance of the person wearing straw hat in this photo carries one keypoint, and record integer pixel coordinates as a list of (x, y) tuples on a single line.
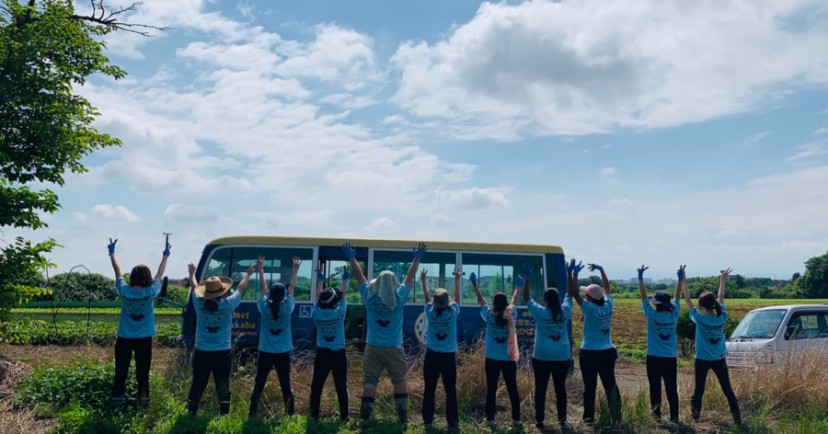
[(384, 299), (136, 325), (711, 352), (551, 352), (502, 352), (328, 315), (662, 313), (440, 359), (598, 354), (275, 338), (214, 307)]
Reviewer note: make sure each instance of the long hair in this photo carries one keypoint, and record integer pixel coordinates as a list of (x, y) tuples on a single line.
[(140, 277), (275, 297), (708, 301), (499, 303), (210, 305), (553, 303)]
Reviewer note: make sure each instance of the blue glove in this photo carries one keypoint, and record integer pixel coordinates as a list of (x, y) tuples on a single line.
[(167, 250), (346, 273), (570, 266), (680, 273), (576, 268), (527, 271), (419, 251), (350, 252), (111, 246), (641, 272), (320, 275), (473, 279), (519, 281), (593, 267)]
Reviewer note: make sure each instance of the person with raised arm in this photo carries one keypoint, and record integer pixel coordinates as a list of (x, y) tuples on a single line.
[(384, 298), (214, 306), (275, 337), (551, 351), (661, 313), (440, 360), (598, 354), (329, 316), (136, 325), (711, 353), (501, 348)]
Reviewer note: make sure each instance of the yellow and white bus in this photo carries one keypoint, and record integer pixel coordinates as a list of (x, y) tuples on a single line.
[(496, 265)]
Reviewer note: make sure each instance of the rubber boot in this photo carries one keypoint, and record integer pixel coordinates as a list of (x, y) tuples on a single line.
[(289, 405), (366, 408), (401, 405)]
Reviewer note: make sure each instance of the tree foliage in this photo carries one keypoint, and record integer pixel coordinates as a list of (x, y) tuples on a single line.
[(46, 50), (814, 283)]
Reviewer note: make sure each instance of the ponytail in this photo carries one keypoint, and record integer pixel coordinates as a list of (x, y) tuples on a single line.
[(500, 304), (553, 304), (709, 301), (210, 305), (275, 298)]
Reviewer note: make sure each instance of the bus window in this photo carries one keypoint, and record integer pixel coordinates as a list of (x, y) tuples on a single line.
[(496, 273), (219, 264), (278, 267), (333, 270), (440, 266)]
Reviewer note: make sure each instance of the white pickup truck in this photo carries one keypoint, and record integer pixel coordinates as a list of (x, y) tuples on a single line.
[(770, 335)]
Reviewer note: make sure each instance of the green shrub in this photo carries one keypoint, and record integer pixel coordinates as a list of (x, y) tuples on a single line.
[(38, 332)]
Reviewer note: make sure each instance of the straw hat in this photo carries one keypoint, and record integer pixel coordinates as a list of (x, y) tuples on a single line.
[(213, 287)]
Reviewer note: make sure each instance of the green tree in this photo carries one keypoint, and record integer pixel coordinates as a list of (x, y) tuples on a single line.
[(81, 286), (814, 283), (45, 127)]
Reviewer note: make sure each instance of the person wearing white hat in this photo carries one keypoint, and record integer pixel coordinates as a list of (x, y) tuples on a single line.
[(662, 313), (214, 307), (136, 325), (598, 354), (440, 359)]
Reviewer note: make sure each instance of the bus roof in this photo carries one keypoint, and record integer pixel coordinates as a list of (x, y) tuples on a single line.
[(385, 243)]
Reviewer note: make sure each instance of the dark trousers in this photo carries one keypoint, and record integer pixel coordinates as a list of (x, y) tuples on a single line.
[(124, 347), (509, 370), (719, 368), (326, 362), (436, 365), (264, 363), (666, 369), (558, 371), (205, 363), (595, 363)]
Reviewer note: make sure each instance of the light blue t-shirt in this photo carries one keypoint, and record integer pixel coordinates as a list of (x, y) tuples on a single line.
[(213, 329), (597, 325), (441, 335), (551, 337), (710, 336), (137, 318), (661, 329), (330, 326), (275, 336), (497, 336), (384, 324)]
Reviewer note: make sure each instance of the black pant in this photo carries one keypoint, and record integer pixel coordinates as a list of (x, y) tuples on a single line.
[(438, 365), (665, 368), (204, 363), (601, 363), (264, 363), (558, 370), (509, 370), (719, 367), (124, 347), (325, 362)]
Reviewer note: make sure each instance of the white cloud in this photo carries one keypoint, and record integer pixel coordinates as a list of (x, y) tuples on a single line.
[(79, 216), (756, 138), (191, 213), (115, 212), (608, 171), (822, 130), (475, 198), (807, 152), (442, 220), (380, 223), (578, 67)]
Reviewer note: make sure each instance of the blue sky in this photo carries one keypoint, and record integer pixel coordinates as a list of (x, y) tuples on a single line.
[(627, 132)]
